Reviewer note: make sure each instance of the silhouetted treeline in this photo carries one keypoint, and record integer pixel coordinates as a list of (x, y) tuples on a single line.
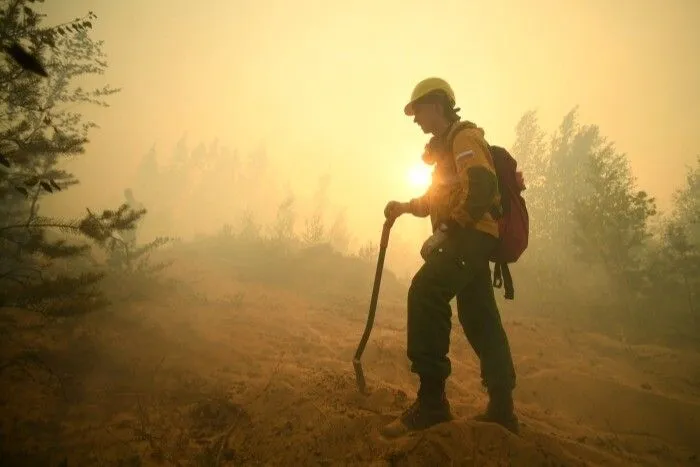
[(209, 188), (599, 245), (598, 242)]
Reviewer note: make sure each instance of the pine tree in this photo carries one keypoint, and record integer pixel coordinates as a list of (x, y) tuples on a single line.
[(38, 130), (315, 231), (338, 234), (283, 227)]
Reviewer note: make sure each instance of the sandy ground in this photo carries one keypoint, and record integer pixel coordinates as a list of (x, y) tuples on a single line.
[(225, 372)]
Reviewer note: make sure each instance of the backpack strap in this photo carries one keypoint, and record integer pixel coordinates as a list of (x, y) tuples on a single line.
[(496, 210), (502, 278), (497, 276), (455, 129)]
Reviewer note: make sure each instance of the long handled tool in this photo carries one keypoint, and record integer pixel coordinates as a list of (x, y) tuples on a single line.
[(384, 242)]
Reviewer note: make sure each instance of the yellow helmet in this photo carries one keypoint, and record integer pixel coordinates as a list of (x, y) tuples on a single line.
[(428, 86)]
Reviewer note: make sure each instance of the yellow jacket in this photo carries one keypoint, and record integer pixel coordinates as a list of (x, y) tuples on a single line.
[(464, 189)]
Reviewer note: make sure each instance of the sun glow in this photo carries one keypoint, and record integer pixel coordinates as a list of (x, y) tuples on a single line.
[(419, 176)]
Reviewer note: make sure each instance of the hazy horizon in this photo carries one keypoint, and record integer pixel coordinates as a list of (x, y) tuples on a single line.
[(322, 86)]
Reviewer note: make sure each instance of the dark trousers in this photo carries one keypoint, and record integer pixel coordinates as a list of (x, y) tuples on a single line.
[(458, 268)]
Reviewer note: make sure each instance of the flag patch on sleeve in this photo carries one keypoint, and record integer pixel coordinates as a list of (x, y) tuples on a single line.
[(464, 154)]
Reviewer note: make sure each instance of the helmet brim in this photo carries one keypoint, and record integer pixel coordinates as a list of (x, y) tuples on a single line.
[(408, 110)]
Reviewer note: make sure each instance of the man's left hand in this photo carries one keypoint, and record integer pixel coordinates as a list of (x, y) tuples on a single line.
[(433, 242)]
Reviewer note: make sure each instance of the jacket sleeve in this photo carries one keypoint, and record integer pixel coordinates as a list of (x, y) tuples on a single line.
[(477, 191), (420, 207)]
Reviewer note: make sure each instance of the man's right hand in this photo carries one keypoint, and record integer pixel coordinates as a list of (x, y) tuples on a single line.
[(394, 209)]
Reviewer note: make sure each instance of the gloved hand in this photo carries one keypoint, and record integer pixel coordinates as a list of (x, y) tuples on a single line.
[(432, 243), (395, 209)]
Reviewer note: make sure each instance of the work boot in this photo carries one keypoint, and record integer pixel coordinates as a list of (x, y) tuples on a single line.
[(430, 408), (500, 410)]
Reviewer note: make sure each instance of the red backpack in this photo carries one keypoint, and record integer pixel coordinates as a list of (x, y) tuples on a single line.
[(514, 224)]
